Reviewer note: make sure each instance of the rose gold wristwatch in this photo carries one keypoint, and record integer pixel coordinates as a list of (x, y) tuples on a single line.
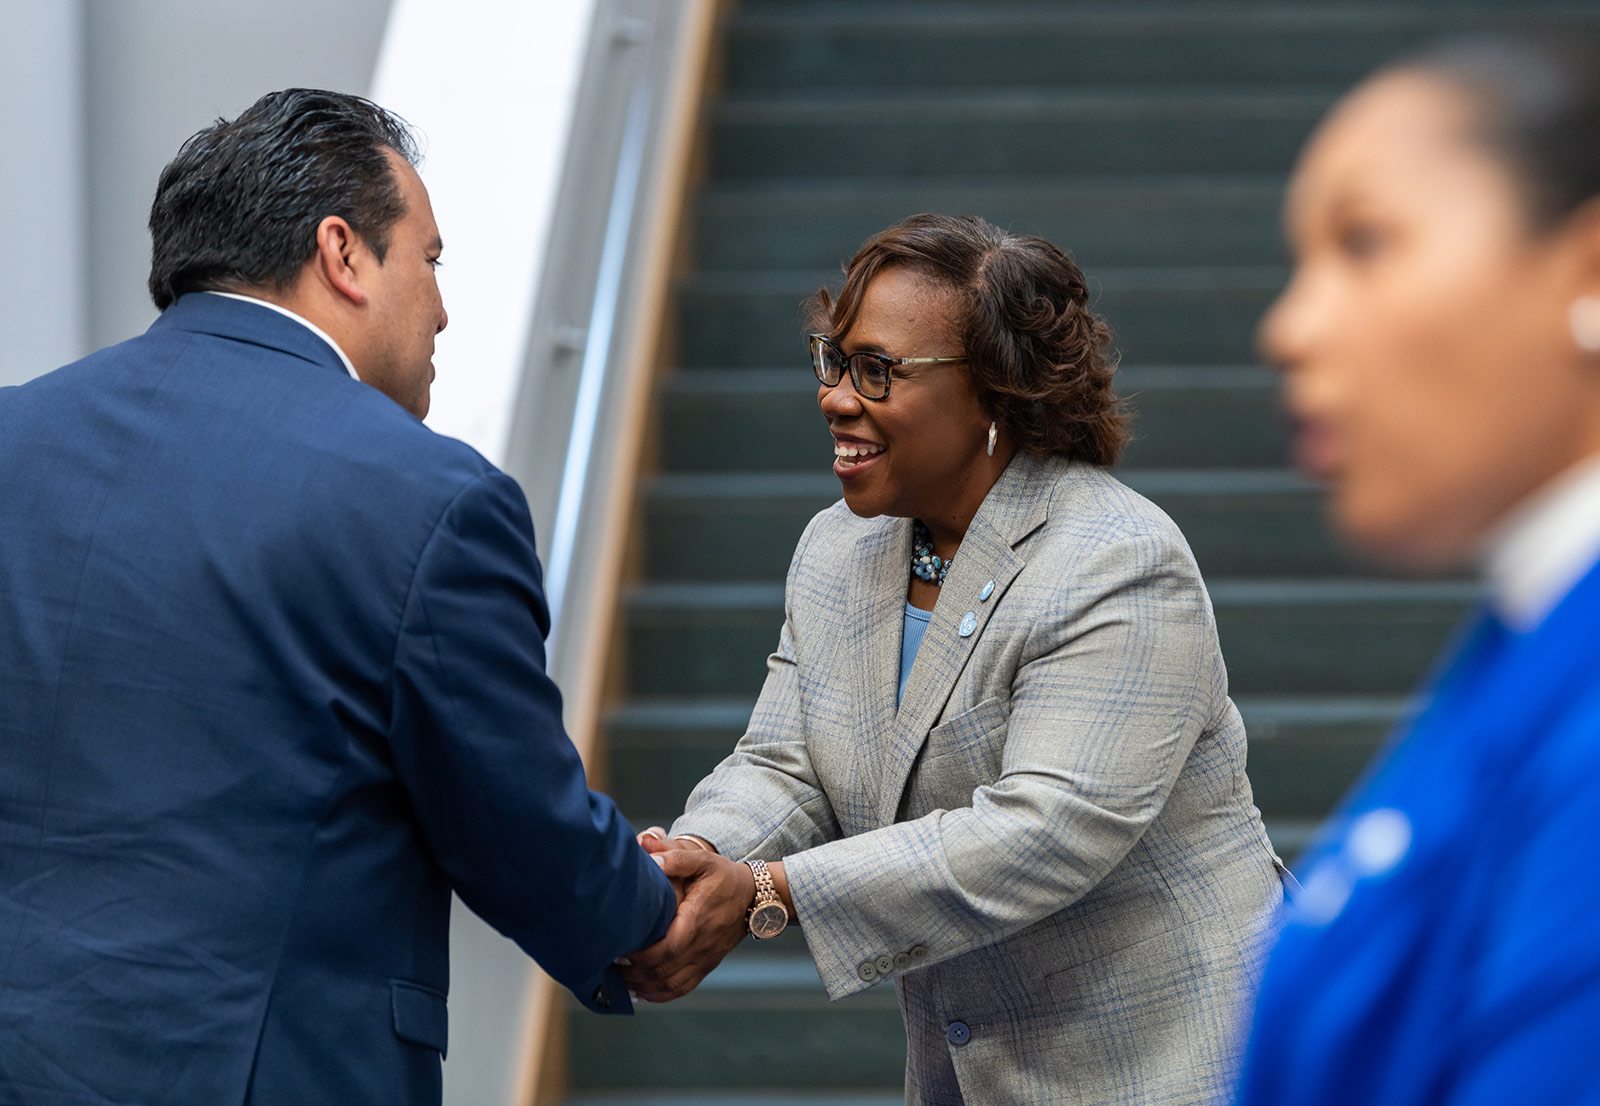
[(767, 915)]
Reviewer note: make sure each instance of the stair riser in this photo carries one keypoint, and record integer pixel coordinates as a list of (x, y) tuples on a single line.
[(1295, 774), (1069, 53), (774, 1041), (710, 540), (1153, 325), (1019, 141), (1198, 226), (1271, 649), (777, 431)]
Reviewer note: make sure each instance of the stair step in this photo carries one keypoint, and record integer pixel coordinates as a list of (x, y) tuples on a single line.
[(1313, 637), (767, 419), (727, 527), (738, 1098), (763, 1022), (1108, 222), (1160, 11), (944, 45), (1013, 132), (1159, 316), (1304, 753)]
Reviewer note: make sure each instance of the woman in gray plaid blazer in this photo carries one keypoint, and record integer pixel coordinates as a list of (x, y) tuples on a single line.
[(1036, 821)]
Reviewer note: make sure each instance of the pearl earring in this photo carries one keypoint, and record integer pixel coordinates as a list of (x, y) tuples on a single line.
[(1584, 318), (991, 425)]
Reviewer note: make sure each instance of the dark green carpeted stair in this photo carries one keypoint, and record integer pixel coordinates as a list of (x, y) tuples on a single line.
[(1152, 139)]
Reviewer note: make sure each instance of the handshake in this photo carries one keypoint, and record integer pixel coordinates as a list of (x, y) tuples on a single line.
[(714, 899)]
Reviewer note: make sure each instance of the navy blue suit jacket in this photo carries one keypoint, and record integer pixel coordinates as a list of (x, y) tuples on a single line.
[(271, 686)]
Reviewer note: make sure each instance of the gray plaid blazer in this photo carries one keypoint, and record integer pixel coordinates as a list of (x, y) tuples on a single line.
[(1050, 845)]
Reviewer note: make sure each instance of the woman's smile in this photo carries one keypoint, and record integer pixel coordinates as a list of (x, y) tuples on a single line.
[(851, 455)]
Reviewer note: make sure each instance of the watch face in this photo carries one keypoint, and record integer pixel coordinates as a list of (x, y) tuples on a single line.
[(768, 920)]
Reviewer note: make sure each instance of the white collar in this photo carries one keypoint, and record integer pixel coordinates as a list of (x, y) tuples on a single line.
[(301, 319), (1545, 546)]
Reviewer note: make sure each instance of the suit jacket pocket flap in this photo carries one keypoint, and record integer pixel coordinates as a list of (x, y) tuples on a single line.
[(420, 1014), (976, 721)]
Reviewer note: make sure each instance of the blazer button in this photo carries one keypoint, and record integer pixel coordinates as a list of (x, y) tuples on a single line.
[(919, 952), (866, 971), (885, 964), (957, 1033), (902, 961), (601, 997)]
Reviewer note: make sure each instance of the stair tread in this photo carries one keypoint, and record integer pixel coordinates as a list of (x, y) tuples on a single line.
[(737, 1098), (727, 595), (801, 282), (779, 483), (696, 713), (1130, 380), (848, 107), (909, 17), (761, 195)]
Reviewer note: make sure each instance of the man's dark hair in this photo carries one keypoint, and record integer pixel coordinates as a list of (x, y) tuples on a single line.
[(239, 206)]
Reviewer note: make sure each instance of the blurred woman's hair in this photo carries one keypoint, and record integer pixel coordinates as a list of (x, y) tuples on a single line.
[(1040, 360), (1536, 95)]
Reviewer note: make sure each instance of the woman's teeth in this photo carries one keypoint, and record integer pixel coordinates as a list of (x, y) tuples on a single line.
[(847, 452)]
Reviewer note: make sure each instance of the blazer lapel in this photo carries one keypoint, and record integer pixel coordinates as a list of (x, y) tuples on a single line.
[(876, 596), (1016, 506)]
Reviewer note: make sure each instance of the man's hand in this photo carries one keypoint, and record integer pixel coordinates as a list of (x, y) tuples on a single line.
[(711, 920)]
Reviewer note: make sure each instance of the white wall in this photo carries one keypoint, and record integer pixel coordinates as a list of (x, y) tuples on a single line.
[(491, 84), (42, 200), (95, 97), (159, 70)]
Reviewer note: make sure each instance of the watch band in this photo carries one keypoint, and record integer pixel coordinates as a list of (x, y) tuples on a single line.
[(767, 917)]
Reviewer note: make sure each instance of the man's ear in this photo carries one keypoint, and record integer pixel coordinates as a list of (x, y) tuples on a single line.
[(336, 258)]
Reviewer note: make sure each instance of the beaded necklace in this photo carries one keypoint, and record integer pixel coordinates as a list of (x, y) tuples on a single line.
[(923, 563)]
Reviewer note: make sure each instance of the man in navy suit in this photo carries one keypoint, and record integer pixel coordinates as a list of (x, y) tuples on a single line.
[(272, 675)]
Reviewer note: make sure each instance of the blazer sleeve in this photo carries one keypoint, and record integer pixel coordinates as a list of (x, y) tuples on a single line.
[(765, 798), (497, 786), (1117, 682)]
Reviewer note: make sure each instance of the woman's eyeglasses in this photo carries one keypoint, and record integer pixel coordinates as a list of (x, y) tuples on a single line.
[(869, 372)]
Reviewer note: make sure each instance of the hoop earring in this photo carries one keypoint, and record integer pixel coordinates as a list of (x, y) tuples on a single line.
[(1584, 318), (991, 425)]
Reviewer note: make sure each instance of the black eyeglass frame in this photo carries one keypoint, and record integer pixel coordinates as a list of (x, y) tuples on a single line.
[(854, 364)]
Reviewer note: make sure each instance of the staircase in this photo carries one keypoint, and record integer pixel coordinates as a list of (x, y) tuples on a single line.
[(1152, 139)]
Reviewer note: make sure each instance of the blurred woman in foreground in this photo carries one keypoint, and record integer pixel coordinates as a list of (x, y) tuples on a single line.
[(1440, 342)]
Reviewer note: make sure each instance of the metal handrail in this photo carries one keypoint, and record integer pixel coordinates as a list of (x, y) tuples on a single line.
[(597, 355)]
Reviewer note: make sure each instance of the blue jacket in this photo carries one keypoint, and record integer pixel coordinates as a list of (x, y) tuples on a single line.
[(271, 686), (1445, 949)]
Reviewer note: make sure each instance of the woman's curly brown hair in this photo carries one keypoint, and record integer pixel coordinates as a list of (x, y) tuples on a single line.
[(1040, 360)]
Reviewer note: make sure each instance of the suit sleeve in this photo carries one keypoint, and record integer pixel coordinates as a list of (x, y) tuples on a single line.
[(1117, 682), (497, 786), (765, 798)]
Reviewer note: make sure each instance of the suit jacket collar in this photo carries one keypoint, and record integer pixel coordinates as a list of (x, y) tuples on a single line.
[(1015, 507), (202, 313)]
